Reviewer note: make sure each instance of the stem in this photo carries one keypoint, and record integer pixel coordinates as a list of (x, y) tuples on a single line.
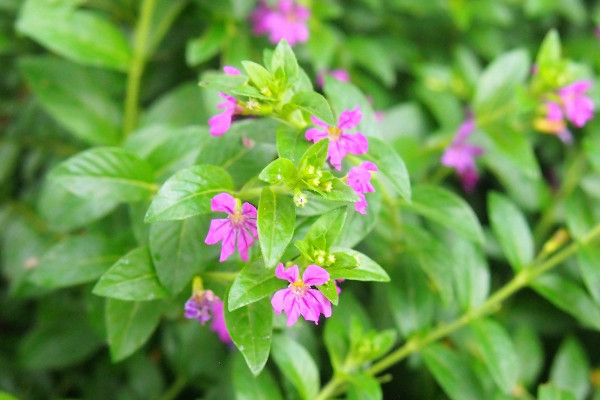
[(174, 389), (493, 303), (136, 67)]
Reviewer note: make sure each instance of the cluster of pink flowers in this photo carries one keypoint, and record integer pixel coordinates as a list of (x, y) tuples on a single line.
[(203, 306), (572, 105), (220, 123), (460, 155), (287, 20), (359, 179)]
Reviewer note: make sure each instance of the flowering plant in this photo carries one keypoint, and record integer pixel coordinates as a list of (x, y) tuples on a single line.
[(299, 199)]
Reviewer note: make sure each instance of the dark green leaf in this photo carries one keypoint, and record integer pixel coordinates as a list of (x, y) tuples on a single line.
[(375, 57), (279, 171), (471, 274), (390, 165), (253, 283), (314, 104), (108, 173), (448, 209), (511, 229), (498, 353), (132, 278), (364, 387), (530, 353), (367, 270), (189, 193), (129, 325), (296, 364), (571, 369), (250, 387), (276, 223), (250, 328)]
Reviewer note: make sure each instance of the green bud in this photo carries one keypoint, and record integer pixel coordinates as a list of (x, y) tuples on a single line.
[(327, 186), (300, 199), (330, 259)]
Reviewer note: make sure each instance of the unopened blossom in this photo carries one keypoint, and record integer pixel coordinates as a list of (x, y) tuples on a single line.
[(299, 298), (220, 123), (359, 179), (554, 122), (203, 306), (288, 20), (239, 226), (460, 155), (340, 74), (577, 106), (341, 142)]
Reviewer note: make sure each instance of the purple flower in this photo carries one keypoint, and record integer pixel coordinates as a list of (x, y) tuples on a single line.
[(460, 155), (220, 123), (218, 324), (287, 21), (340, 74), (578, 108), (359, 179), (298, 298), (240, 225), (340, 142)]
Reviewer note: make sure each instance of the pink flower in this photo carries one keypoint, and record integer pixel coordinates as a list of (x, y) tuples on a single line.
[(460, 155), (287, 21), (220, 123), (240, 225), (218, 325), (337, 288), (556, 123), (298, 298), (340, 142), (199, 306), (359, 179), (340, 74), (578, 108)]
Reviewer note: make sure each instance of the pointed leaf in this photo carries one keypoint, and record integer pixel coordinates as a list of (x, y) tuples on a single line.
[(253, 283), (296, 364), (314, 104), (276, 223), (391, 165)]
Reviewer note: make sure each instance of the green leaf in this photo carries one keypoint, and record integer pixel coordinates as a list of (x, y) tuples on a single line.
[(188, 193), (327, 228), (453, 373), (179, 252), (551, 392), (550, 50), (7, 396), (82, 36), (442, 206), (588, 258), (76, 97), (496, 86), (498, 353), (471, 274), (340, 191), (390, 165), (364, 387), (250, 387), (132, 278), (511, 229), (571, 369), (276, 223), (314, 157), (76, 260), (569, 297), (291, 143), (296, 364), (358, 226), (374, 56), (250, 328), (530, 353), (257, 74), (107, 173), (279, 172), (367, 270), (284, 60), (314, 104), (129, 325), (253, 283), (206, 46), (329, 290), (222, 82)]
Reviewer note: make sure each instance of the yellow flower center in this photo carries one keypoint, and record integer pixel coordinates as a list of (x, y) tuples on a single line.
[(298, 288), (334, 133), (237, 219)]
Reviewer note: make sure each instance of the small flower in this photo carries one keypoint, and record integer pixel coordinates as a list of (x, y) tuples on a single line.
[(298, 298), (578, 107), (554, 123), (340, 74), (240, 225), (460, 155), (204, 306), (220, 123), (218, 324), (359, 179), (287, 21), (340, 142)]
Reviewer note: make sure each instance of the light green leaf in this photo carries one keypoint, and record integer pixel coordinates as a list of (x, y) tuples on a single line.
[(442, 206), (276, 223), (367, 270), (279, 171), (253, 283), (250, 328), (206, 46), (131, 278), (327, 227), (284, 60), (364, 387), (188, 193), (296, 364), (314, 104), (250, 387), (82, 36), (129, 325), (511, 229), (571, 368), (291, 143), (329, 290), (108, 173), (498, 353), (551, 392), (314, 157), (471, 274), (530, 352), (390, 164), (340, 191)]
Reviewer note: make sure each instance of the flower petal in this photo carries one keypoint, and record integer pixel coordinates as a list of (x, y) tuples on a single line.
[(355, 143), (291, 274), (315, 134), (318, 122), (244, 241), (321, 300), (223, 202), (231, 70), (315, 275), (228, 245), (278, 300), (248, 210), (219, 228), (349, 119)]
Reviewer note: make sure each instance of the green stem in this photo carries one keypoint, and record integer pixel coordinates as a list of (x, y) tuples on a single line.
[(136, 67), (174, 389), (415, 344)]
